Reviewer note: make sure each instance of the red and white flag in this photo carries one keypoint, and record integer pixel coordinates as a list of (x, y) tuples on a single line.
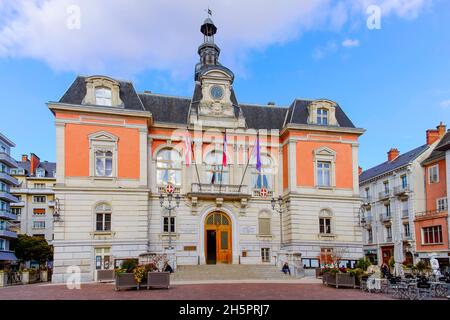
[(224, 153), (187, 150)]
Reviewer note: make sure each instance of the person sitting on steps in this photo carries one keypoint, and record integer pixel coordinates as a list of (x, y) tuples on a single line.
[(286, 269)]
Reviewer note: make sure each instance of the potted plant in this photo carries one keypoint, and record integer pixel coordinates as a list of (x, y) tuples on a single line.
[(156, 276), (3, 278), (25, 275), (125, 278), (44, 274)]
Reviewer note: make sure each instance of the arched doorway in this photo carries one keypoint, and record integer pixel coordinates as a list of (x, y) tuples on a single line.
[(218, 248)]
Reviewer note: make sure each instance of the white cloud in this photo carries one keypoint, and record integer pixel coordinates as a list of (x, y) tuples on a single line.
[(126, 37), (350, 43), (445, 104), (322, 52)]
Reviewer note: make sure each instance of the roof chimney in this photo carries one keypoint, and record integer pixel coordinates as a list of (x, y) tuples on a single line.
[(24, 158), (360, 170), (147, 92), (434, 135), (34, 163), (393, 154), (271, 103)]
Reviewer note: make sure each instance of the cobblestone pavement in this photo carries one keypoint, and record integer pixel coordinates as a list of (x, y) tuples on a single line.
[(230, 291)]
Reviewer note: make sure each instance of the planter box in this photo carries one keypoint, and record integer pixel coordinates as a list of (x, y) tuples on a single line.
[(25, 277), (339, 280), (105, 275), (3, 279), (126, 281), (158, 280), (44, 275)]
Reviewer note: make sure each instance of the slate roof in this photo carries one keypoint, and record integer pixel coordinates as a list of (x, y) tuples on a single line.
[(49, 167), (439, 150), (77, 91), (388, 166), (175, 110)]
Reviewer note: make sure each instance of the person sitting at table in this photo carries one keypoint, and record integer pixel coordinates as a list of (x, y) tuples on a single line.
[(385, 270)]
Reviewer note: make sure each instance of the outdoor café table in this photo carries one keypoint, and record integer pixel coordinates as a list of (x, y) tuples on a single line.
[(439, 289), (374, 284)]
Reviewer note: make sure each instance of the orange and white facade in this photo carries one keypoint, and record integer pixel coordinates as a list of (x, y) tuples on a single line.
[(432, 224), (117, 150)]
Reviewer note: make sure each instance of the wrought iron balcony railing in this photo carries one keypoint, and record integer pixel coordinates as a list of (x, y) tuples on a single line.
[(218, 190), (384, 194), (402, 190)]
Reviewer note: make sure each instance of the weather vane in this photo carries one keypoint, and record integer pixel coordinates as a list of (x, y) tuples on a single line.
[(209, 11)]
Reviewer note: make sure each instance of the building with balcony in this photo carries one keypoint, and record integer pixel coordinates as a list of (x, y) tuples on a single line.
[(7, 163), (36, 197), (392, 193), (432, 224), (118, 151)]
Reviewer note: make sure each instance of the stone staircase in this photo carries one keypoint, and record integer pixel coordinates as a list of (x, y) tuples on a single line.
[(229, 272)]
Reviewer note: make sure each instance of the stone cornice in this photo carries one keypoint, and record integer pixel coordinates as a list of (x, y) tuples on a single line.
[(311, 127)]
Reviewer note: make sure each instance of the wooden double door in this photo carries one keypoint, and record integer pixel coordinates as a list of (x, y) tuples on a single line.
[(218, 247)]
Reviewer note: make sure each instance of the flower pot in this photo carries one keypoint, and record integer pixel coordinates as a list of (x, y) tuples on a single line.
[(158, 280), (25, 277), (126, 281), (44, 275), (3, 279)]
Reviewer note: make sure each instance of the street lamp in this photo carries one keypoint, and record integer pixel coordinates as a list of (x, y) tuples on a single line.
[(56, 211), (169, 207), (279, 209)]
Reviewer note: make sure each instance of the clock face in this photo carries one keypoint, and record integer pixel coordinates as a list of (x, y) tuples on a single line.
[(216, 92)]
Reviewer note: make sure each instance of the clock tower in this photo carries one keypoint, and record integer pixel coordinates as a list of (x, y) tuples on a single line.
[(214, 102)]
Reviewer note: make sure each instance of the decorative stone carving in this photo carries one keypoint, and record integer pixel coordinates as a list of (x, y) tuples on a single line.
[(210, 106), (329, 105)]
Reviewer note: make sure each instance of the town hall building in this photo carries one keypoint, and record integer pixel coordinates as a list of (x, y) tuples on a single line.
[(247, 184)]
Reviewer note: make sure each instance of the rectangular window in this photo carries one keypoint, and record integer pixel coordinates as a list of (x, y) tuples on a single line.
[(19, 198), (38, 224), (103, 163), (432, 235), (39, 185), (310, 263), (16, 211), (38, 211), (369, 235), (264, 226), (103, 222), (388, 210), (388, 234), (103, 96), (404, 181), (325, 225), (39, 199), (102, 258), (322, 117), (168, 224), (433, 174), (324, 174), (442, 204), (406, 229), (367, 193), (265, 254), (2, 244), (386, 187)]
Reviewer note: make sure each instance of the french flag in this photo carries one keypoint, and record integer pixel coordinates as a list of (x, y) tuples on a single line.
[(224, 153)]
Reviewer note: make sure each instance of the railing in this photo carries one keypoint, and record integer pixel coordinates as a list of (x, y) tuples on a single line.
[(17, 204), (366, 199), (367, 220), (389, 239), (401, 189), (407, 237), (7, 196), (217, 188), (7, 214), (431, 213), (6, 158), (257, 193), (9, 179), (384, 194)]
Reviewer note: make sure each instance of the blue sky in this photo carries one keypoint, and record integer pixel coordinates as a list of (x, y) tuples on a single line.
[(394, 82)]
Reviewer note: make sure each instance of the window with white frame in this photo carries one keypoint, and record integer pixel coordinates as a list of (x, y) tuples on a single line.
[(433, 174), (322, 117), (168, 224), (38, 224), (432, 235), (325, 222), (40, 173), (406, 230), (323, 173), (103, 213), (16, 211), (103, 154), (39, 199), (265, 177), (388, 230), (264, 226), (103, 96), (265, 254), (216, 173), (39, 185), (369, 235), (441, 204), (2, 245), (168, 167)]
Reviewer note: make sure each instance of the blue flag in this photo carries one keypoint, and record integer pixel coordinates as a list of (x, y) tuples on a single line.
[(258, 154)]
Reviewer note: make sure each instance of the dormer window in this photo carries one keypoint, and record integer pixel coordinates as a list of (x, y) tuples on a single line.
[(322, 117), (40, 173), (103, 96)]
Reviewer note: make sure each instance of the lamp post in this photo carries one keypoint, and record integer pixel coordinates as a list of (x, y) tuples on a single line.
[(277, 205), (169, 207), (57, 211)]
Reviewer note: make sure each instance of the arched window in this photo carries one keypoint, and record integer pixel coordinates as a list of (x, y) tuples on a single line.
[(265, 177), (215, 172), (325, 222), (322, 117), (103, 96), (168, 167), (103, 217)]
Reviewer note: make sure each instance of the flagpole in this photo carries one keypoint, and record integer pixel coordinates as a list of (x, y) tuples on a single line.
[(195, 159), (223, 155), (248, 162)]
